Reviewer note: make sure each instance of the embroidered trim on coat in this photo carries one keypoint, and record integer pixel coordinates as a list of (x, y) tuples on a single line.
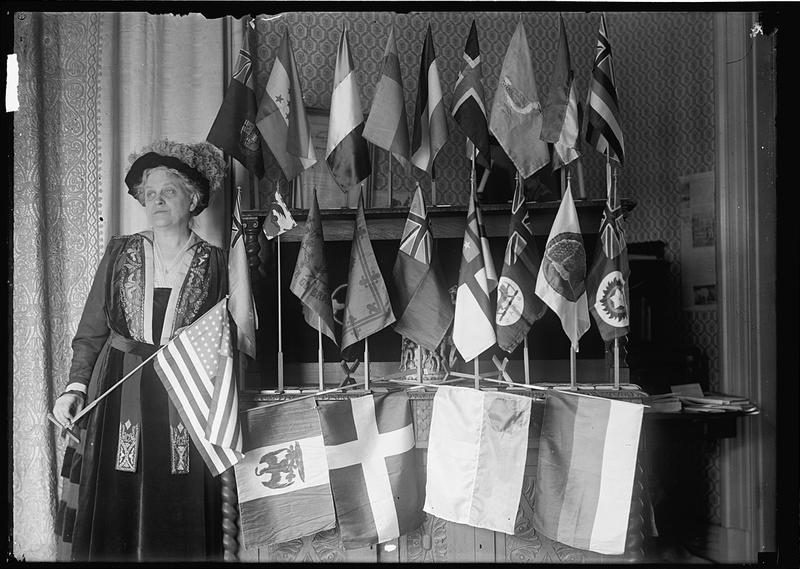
[(128, 446), (179, 437)]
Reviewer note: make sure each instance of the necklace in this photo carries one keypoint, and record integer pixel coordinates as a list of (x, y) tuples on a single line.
[(168, 267)]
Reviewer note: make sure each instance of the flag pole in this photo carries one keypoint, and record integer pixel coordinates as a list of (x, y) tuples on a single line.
[(433, 184), (526, 357), (366, 363), (419, 363), (390, 177), (572, 366), (581, 187), (476, 364), (280, 328), (319, 352), (613, 204)]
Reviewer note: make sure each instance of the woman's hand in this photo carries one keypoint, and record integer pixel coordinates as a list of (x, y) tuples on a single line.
[(66, 407)]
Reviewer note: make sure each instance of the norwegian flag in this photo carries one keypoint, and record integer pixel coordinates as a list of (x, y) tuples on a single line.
[(196, 368)]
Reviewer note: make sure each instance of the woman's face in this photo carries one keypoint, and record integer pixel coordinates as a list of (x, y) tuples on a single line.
[(166, 199)]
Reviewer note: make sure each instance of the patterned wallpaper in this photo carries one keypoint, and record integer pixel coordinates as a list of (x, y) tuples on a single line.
[(663, 62)]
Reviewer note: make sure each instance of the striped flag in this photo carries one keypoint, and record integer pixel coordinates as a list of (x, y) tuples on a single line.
[(279, 219), (282, 482), (310, 277), (561, 124), (603, 130), (422, 298), (234, 129), (367, 308), (282, 118), (469, 109), (241, 305), (587, 461), (516, 118), (430, 118), (473, 329), (387, 124), (607, 281), (346, 151), (561, 281), (370, 445), (476, 457), (518, 307), (196, 368)]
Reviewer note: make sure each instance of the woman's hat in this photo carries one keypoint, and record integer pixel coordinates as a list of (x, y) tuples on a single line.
[(202, 162)]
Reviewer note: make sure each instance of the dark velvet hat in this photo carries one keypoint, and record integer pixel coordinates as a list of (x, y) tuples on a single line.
[(202, 163)]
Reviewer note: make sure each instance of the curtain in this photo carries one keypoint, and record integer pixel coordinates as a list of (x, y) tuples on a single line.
[(93, 88)]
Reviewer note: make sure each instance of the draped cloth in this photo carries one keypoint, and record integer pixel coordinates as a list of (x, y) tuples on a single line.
[(93, 87)]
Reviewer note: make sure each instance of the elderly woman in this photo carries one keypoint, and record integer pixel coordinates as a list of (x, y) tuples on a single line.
[(135, 487)]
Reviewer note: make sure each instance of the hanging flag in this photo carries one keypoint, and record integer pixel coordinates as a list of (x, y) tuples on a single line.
[(369, 442), (560, 123), (283, 482), (587, 460), (196, 368), (234, 130), (473, 331), (241, 304), (310, 278), (387, 124), (561, 281), (516, 118), (279, 219), (469, 109), (346, 152), (603, 130), (422, 298), (518, 307), (282, 118), (607, 282), (367, 308), (430, 119), (477, 446)]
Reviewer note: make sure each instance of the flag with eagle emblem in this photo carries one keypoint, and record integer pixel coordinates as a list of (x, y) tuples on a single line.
[(607, 282), (518, 307), (562, 276)]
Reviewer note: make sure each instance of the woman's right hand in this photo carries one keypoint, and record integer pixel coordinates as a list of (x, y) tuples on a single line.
[(66, 407)]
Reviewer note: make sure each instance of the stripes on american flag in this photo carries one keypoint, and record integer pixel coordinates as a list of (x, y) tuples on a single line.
[(196, 368), (603, 130)]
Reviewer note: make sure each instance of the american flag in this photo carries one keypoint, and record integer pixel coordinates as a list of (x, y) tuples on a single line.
[(196, 368)]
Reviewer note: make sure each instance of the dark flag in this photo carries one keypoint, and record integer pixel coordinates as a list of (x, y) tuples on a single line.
[(425, 311), (469, 109), (518, 307), (234, 130), (607, 281), (367, 308), (310, 278), (430, 118), (603, 130)]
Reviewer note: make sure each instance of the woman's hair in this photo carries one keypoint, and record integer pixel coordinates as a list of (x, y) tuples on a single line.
[(188, 185)]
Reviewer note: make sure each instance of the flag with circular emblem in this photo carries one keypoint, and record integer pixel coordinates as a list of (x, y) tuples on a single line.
[(607, 282)]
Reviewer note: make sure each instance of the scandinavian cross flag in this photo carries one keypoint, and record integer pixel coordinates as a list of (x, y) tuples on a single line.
[(369, 443)]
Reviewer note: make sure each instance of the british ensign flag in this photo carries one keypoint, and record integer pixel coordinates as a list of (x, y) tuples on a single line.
[(369, 443)]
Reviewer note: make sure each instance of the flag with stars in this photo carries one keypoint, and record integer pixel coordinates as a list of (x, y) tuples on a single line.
[(518, 307), (607, 281), (423, 302), (196, 369), (367, 308), (282, 115), (603, 130), (473, 331), (241, 305), (234, 129), (469, 109)]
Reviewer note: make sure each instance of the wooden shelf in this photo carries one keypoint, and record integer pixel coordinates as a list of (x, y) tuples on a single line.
[(446, 221)]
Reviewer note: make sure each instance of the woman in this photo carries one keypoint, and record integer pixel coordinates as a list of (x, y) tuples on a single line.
[(137, 489)]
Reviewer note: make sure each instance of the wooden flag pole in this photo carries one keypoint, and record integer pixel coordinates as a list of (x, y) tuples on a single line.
[(419, 363), (319, 352), (390, 177), (280, 328), (292, 399), (572, 380), (613, 204), (526, 357), (477, 369), (366, 363), (581, 187), (433, 184)]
